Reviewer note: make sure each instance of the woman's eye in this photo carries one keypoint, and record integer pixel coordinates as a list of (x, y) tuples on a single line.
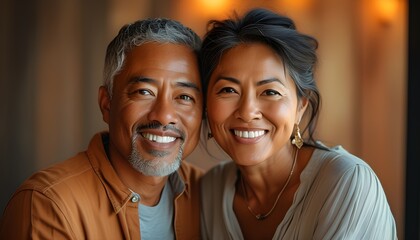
[(271, 92), (227, 90)]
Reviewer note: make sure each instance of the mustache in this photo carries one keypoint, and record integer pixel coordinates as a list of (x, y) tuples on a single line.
[(158, 125)]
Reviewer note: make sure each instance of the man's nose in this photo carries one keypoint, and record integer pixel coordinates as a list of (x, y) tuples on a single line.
[(163, 111)]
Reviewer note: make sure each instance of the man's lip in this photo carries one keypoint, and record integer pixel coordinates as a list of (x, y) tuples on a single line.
[(157, 132), (159, 138)]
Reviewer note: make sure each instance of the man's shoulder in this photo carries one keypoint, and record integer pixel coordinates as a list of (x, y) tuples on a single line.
[(58, 175)]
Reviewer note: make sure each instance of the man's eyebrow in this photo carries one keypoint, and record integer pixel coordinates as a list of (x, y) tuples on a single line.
[(137, 79), (270, 80), (143, 79), (188, 84)]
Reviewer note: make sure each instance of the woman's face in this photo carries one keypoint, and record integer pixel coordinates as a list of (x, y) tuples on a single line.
[(252, 104)]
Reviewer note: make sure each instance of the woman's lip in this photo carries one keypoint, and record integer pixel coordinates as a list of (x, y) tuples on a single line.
[(248, 136)]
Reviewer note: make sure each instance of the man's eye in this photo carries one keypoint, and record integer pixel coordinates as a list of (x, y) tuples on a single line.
[(186, 98), (144, 92)]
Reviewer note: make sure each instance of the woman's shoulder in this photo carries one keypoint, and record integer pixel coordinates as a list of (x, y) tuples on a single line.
[(220, 172), (216, 181), (342, 188), (337, 157), (335, 163), (333, 173)]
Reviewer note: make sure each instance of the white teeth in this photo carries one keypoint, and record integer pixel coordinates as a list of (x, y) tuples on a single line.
[(248, 134), (159, 139)]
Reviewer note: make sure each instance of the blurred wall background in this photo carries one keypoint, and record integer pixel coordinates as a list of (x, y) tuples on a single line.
[(52, 52)]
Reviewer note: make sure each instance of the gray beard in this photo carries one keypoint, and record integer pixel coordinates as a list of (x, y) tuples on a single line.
[(154, 167)]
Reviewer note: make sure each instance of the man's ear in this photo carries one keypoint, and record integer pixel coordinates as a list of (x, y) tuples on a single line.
[(104, 101)]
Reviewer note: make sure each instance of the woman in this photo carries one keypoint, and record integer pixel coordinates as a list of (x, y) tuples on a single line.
[(259, 78)]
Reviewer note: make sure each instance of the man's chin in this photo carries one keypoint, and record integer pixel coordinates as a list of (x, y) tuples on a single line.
[(161, 170), (157, 166), (153, 162)]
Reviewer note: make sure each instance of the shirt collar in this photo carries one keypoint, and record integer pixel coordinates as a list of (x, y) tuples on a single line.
[(119, 194)]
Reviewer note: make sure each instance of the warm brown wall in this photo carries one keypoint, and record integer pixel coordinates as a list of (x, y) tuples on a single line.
[(382, 66), (51, 66)]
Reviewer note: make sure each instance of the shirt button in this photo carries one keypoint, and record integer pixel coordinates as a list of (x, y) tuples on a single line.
[(135, 198)]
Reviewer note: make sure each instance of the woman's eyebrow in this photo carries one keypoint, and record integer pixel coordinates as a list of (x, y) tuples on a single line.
[(270, 80), (230, 79), (262, 82)]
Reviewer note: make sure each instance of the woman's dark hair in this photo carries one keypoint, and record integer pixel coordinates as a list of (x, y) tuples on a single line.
[(297, 50)]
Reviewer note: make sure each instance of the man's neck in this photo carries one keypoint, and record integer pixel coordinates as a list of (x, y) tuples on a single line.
[(148, 187)]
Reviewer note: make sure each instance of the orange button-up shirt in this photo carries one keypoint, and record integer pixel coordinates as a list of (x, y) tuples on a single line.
[(83, 198)]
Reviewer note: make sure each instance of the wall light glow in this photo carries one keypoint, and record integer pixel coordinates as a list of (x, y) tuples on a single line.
[(213, 6), (296, 4), (387, 10)]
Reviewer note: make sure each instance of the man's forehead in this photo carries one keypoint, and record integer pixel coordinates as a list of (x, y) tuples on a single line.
[(168, 57)]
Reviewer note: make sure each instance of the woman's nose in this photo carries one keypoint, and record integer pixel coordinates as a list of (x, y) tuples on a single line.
[(248, 109)]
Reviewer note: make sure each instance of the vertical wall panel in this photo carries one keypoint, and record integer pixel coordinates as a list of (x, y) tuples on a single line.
[(17, 96)]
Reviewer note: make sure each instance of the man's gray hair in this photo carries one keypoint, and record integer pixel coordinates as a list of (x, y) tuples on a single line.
[(144, 31)]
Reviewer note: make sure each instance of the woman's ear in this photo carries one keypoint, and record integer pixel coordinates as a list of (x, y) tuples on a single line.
[(302, 105), (104, 101)]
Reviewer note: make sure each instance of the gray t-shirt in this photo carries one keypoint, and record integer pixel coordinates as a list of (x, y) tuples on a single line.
[(339, 197), (157, 222)]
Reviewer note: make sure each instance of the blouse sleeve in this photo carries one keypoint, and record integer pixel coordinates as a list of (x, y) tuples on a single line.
[(356, 208)]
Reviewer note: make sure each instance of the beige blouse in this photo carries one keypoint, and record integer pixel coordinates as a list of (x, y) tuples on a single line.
[(339, 197)]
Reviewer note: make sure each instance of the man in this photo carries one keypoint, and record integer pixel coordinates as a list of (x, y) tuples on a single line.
[(131, 182)]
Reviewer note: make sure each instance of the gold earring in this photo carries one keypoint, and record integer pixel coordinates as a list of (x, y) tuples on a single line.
[(207, 125), (297, 141)]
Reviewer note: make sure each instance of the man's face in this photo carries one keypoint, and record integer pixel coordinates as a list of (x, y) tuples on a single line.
[(154, 114)]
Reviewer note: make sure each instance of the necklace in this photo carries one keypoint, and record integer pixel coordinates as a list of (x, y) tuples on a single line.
[(261, 216)]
